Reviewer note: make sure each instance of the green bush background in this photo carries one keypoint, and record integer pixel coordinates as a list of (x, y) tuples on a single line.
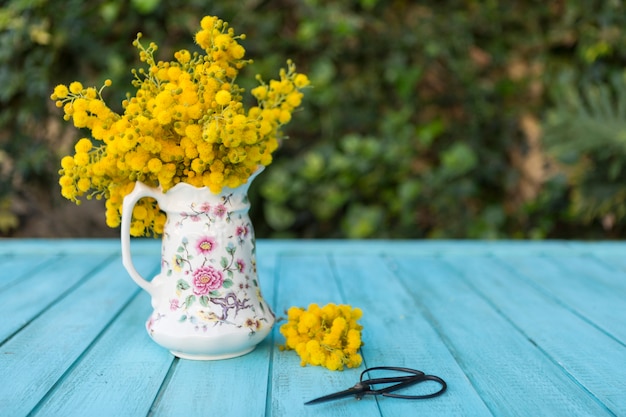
[(428, 119)]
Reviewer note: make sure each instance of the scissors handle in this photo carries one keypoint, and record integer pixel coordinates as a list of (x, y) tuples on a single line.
[(403, 381)]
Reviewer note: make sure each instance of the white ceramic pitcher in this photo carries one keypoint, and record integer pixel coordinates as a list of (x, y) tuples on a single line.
[(207, 300)]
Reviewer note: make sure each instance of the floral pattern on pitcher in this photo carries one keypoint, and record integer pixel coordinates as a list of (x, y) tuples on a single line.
[(206, 271)]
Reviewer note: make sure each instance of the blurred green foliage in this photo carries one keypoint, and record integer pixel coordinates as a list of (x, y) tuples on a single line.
[(586, 131), (413, 128)]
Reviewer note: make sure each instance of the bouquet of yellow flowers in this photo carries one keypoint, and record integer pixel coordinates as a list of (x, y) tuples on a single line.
[(185, 123), (328, 336)]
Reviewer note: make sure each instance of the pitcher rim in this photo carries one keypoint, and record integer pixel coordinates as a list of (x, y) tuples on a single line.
[(181, 185)]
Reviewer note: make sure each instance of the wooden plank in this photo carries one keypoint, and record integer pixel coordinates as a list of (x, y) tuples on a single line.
[(588, 267), (235, 387), (304, 279), (435, 247), (589, 298), (147, 246), (612, 261), (43, 247), (119, 375), (397, 334), (609, 271), (34, 359), (556, 330), (14, 268), (511, 374), (424, 247), (40, 288)]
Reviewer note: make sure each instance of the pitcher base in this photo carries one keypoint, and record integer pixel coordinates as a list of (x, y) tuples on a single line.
[(203, 357)]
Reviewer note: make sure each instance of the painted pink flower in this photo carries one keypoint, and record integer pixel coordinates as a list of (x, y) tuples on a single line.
[(240, 265), (195, 218), (174, 304), (149, 324), (242, 231), (219, 210), (206, 279), (206, 245), (205, 208)]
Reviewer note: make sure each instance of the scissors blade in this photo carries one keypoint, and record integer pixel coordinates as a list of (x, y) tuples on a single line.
[(358, 390)]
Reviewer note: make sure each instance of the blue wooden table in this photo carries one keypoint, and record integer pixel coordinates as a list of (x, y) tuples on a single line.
[(515, 328)]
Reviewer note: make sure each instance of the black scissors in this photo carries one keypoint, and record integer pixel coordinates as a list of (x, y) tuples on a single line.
[(364, 386)]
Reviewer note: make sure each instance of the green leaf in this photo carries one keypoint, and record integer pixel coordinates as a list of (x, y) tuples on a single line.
[(145, 6), (427, 133), (182, 285), (227, 283), (313, 168), (459, 159), (362, 221), (204, 300), (224, 262), (189, 300), (278, 216)]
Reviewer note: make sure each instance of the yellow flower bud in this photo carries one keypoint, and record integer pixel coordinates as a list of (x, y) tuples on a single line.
[(76, 87), (140, 212), (67, 163), (301, 81), (60, 91), (203, 38), (208, 22), (183, 56), (164, 117), (237, 51), (284, 117), (222, 97), (83, 184), (155, 165), (194, 132), (83, 146), (81, 159)]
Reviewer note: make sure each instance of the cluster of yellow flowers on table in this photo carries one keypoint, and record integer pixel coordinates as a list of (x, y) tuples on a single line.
[(186, 123), (326, 336)]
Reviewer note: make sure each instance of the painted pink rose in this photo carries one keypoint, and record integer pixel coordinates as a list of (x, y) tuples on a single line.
[(206, 279), (205, 245), (174, 304)]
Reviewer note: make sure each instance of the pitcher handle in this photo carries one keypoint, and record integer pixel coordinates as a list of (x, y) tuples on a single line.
[(140, 191)]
